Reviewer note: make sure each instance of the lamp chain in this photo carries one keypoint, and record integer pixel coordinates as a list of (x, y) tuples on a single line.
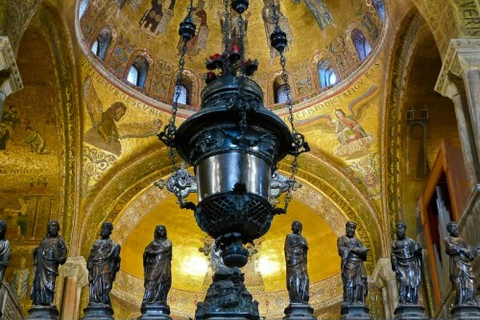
[(168, 135), (289, 105)]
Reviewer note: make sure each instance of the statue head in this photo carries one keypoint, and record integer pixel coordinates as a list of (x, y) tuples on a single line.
[(3, 229), (452, 228), (401, 230), (106, 229), (350, 227), (160, 232), (53, 228), (297, 227)]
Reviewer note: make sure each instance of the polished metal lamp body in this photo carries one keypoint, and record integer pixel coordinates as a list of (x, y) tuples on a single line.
[(234, 144)]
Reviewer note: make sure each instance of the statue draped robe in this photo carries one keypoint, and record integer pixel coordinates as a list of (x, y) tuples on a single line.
[(46, 258), (297, 276), (103, 264), (157, 267), (354, 276)]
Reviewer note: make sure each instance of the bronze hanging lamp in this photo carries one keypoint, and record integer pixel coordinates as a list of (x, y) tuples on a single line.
[(234, 144)]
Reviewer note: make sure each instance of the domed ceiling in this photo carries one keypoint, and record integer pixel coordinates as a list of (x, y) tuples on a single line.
[(316, 30)]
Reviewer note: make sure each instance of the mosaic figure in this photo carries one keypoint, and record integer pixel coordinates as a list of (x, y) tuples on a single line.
[(20, 280), (9, 119), (4, 249), (199, 41), (106, 133), (268, 15)]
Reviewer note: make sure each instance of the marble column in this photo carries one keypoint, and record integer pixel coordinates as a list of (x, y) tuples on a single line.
[(459, 80), (384, 278), (74, 274), (10, 80)]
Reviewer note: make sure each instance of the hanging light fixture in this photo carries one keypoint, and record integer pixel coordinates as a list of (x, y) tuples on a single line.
[(233, 143)]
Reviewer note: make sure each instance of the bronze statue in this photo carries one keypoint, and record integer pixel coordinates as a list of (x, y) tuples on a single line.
[(47, 257), (103, 264), (157, 268), (407, 264), (296, 258), (354, 277), (4, 249), (461, 259)]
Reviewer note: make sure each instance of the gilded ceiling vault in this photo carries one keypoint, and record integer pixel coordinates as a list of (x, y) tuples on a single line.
[(78, 144)]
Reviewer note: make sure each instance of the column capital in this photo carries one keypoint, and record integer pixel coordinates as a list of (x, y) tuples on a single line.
[(10, 80), (383, 272), (76, 267), (462, 54)]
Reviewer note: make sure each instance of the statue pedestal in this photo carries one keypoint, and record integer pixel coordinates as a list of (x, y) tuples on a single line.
[(160, 311), (465, 311), (355, 312), (409, 311), (43, 313), (301, 311), (98, 311), (227, 298)]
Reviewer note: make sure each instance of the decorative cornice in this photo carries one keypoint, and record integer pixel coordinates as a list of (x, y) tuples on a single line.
[(462, 54), (10, 80)]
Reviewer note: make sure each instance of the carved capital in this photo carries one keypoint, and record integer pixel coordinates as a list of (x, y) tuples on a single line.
[(76, 267), (462, 54), (383, 272), (10, 80)]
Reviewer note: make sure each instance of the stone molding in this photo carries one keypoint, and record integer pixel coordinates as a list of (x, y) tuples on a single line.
[(462, 54), (10, 80)]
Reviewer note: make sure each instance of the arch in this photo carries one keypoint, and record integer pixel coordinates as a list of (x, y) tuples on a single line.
[(82, 8), (380, 8), (137, 70), (324, 59), (191, 85), (102, 43), (326, 73), (45, 27), (361, 43)]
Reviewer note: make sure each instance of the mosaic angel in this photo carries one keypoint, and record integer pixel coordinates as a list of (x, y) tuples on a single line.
[(352, 137), (106, 133)]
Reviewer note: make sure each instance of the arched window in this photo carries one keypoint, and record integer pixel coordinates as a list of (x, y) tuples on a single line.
[(281, 93), (133, 75), (95, 47), (181, 91), (101, 44), (326, 74), (378, 4), (137, 74), (361, 43), (82, 8)]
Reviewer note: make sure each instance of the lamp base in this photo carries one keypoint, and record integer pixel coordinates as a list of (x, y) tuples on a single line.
[(227, 298)]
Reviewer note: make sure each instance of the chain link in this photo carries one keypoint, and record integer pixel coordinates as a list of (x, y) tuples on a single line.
[(171, 128), (292, 185)]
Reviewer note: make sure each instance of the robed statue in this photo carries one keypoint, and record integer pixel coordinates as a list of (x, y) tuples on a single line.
[(4, 249), (296, 248), (461, 260), (103, 264), (406, 260), (354, 277), (47, 257), (157, 268)]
